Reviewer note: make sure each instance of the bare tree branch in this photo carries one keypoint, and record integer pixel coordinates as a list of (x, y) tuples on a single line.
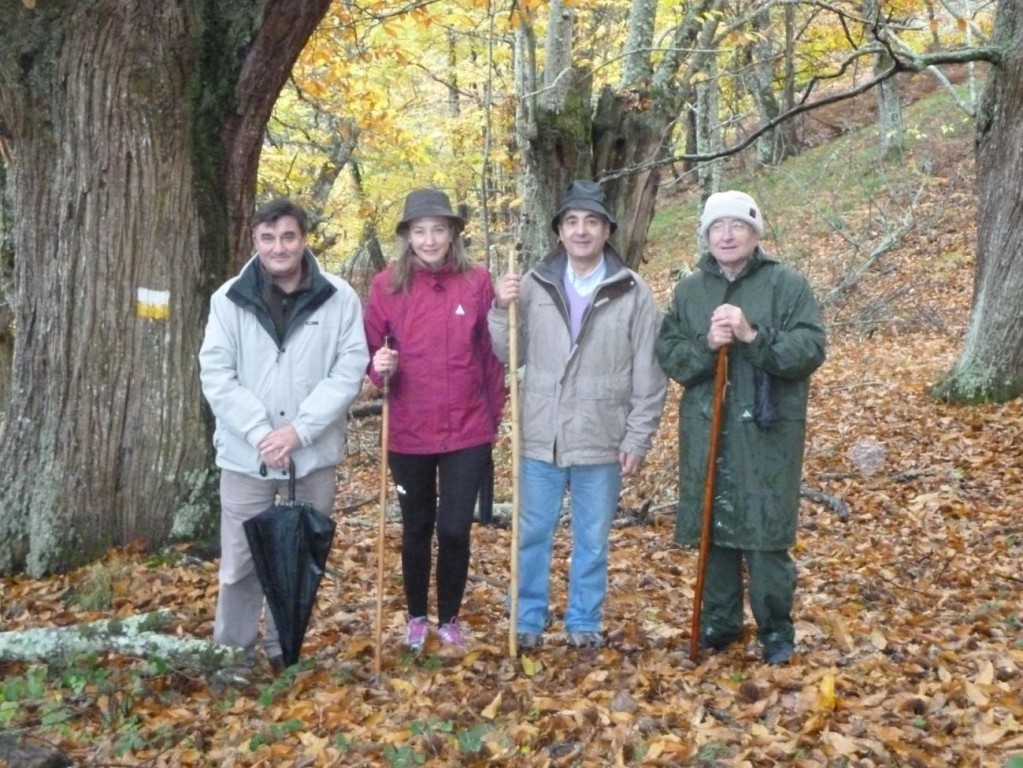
[(902, 64)]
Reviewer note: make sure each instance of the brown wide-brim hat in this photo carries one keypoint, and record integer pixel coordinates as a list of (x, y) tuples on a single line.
[(421, 203), (586, 196)]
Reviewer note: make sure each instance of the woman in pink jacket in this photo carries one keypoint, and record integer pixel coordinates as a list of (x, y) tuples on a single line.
[(426, 325)]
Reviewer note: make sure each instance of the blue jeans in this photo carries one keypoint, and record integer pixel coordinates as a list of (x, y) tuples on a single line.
[(593, 494)]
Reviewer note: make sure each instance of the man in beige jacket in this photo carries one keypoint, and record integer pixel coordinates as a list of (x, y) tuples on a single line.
[(592, 398)]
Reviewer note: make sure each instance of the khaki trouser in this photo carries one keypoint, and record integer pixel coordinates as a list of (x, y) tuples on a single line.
[(240, 602)]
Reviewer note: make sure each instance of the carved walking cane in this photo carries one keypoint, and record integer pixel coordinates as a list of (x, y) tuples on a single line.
[(720, 381)]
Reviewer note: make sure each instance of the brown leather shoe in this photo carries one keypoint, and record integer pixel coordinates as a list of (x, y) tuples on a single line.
[(277, 664)]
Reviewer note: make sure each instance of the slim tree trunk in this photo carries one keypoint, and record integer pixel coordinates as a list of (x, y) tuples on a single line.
[(708, 133), (990, 366), (889, 111), (552, 127), (134, 137), (760, 82), (889, 114)]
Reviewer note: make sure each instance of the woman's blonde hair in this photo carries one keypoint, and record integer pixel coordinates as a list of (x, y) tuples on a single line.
[(457, 258)]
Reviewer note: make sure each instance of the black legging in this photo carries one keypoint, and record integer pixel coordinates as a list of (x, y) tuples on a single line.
[(416, 478)]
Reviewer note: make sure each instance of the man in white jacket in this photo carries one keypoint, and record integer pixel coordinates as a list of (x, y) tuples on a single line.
[(281, 362)]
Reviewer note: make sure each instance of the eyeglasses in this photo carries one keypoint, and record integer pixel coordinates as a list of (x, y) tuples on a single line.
[(734, 226)]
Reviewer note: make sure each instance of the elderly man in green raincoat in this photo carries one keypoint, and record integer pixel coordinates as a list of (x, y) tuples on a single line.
[(766, 315)]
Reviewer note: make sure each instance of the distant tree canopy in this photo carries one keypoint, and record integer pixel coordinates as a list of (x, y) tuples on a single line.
[(502, 104)]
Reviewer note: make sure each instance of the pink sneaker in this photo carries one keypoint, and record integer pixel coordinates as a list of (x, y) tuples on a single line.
[(451, 634), (416, 632)]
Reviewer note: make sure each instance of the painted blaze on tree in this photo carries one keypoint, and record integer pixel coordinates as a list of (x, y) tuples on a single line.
[(134, 131)]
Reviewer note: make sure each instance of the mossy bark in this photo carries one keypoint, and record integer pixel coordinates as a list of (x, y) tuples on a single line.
[(144, 636), (990, 366), (629, 131), (134, 130), (563, 135)]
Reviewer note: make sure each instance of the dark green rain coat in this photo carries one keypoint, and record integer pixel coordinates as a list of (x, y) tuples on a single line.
[(756, 491)]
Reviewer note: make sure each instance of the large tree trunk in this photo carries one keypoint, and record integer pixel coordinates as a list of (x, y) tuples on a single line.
[(135, 130), (562, 135), (630, 133), (990, 366)]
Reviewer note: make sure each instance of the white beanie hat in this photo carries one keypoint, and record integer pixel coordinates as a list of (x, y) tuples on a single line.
[(732, 205)]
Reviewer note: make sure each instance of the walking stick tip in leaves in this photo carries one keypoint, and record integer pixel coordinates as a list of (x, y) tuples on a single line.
[(707, 518)]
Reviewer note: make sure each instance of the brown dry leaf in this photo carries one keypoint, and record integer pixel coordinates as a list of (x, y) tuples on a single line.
[(976, 695), (987, 736), (878, 640), (490, 711), (986, 674), (842, 745), (840, 631)]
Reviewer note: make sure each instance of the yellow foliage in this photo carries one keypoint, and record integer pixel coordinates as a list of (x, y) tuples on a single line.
[(388, 96)]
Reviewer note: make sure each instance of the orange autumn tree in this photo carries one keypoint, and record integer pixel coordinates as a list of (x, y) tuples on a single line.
[(387, 97)]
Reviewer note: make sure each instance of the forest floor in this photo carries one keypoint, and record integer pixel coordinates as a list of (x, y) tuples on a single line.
[(909, 618)]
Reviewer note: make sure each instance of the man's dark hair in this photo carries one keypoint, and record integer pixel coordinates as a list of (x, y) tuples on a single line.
[(270, 212)]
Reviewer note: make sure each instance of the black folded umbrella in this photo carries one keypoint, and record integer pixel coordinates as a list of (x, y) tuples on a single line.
[(290, 542)]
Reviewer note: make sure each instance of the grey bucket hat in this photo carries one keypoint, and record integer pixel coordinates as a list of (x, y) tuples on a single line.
[(428, 202), (584, 195)]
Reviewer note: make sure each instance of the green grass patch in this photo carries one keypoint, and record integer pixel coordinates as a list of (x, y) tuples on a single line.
[(820, 191)]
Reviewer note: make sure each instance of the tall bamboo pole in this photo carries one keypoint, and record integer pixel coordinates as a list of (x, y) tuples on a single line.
[(382, 524), (513, 402)]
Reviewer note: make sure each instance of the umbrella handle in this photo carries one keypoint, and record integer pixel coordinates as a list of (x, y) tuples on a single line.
[(291, 477)]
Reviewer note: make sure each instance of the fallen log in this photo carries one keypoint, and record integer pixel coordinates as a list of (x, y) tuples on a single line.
[(139, 636), (28, 751)]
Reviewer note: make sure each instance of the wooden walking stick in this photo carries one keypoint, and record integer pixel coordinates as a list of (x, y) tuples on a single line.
[(720, 381), (382, 521), (513, 403)]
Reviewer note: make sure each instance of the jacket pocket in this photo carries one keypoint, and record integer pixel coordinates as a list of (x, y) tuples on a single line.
[(600, 411)]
